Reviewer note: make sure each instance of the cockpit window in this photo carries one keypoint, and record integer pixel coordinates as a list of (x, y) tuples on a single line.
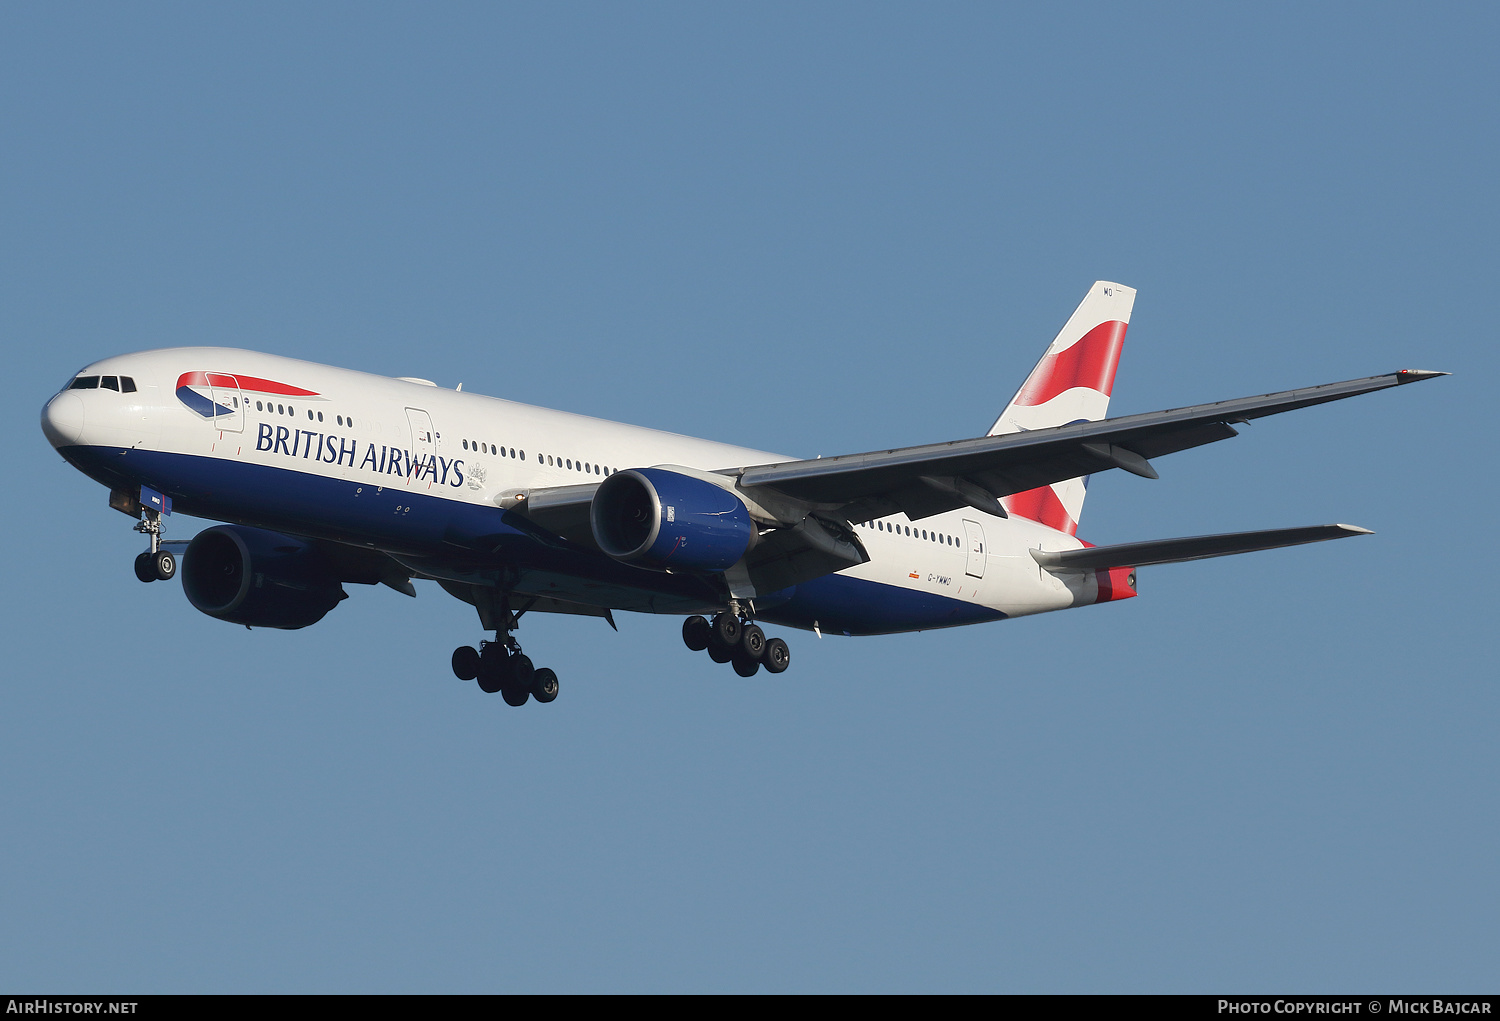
[(110, 383), (127, 385), (85, 383)]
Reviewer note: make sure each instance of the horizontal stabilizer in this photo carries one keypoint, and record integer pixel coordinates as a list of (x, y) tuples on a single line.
[(1198, 547)]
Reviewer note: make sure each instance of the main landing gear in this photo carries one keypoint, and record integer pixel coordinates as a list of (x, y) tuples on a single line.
[(501, 666), (728, 639), (156, 564)]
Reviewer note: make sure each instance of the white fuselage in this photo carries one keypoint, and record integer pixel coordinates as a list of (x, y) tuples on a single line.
[(390, 464)]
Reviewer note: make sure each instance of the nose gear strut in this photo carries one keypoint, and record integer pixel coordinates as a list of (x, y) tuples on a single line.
[(156, 563)]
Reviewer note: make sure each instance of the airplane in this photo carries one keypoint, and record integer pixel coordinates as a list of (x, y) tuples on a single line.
[(326, 476)]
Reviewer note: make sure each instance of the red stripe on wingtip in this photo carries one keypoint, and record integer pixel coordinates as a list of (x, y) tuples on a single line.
[(1043, 506), (1089, 363)]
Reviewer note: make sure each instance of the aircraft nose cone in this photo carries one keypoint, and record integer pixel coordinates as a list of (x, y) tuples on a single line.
[(62, 419)]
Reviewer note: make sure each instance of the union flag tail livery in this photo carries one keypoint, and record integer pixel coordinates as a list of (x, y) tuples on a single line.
[(326, 477), (1071, 383)]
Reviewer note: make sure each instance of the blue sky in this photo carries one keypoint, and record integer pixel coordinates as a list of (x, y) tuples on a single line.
[(811, 228)]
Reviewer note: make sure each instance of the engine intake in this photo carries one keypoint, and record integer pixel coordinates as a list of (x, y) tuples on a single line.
[(660, 519), (258, 578)]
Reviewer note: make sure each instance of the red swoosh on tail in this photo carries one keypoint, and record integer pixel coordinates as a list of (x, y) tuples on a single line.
[(1091, 363)]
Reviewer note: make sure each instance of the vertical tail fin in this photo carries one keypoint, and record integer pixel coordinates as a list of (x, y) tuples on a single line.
[(1070, 384)]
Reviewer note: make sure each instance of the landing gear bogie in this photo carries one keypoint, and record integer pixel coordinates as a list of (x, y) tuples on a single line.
[(502, 668), (728, 639)]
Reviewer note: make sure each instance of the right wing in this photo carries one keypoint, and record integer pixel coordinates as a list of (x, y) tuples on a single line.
[(930, 479), (805, 508)]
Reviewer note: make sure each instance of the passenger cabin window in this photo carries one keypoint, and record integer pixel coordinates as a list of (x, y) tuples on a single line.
[(85, 383)]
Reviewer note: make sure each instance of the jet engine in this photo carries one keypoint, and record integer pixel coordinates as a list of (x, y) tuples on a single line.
[(259, 578), (661, 519)]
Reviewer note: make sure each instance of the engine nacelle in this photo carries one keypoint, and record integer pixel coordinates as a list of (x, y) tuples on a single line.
[(661, 519), (263, 579)]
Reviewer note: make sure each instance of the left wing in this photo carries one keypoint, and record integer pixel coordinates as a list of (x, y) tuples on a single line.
[(558, 510), (1199, 547)]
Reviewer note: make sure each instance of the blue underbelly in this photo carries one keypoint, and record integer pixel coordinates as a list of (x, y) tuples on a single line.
[(404, 521)]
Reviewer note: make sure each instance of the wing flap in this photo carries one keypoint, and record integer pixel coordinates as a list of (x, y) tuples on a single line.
[(1198, 547)]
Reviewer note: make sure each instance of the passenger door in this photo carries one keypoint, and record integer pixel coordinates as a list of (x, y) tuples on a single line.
[(229, 403), (974, 537), (423, 446)]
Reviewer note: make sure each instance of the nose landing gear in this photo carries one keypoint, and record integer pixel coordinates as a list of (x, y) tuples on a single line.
[(728, 639), (156, 563)]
